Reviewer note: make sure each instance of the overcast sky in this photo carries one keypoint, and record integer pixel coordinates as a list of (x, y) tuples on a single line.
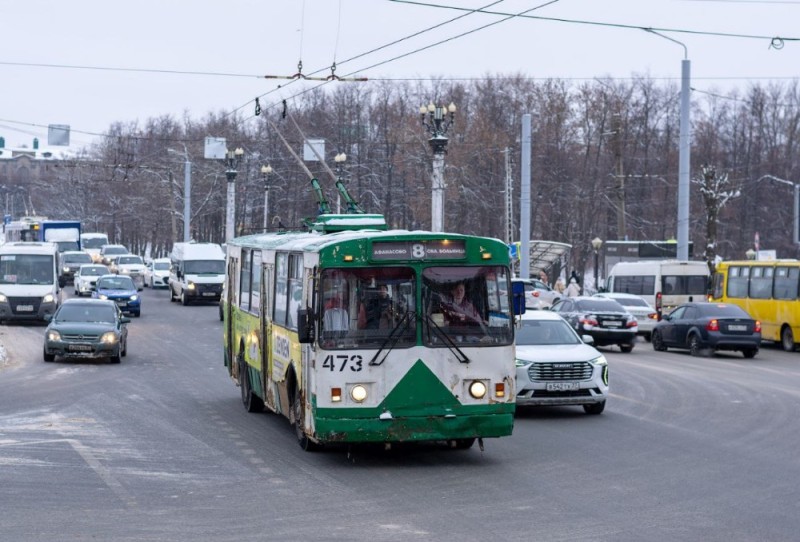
[(142, 52)]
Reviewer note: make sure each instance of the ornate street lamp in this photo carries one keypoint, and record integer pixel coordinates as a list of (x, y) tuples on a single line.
[(266, 171), (751, 254), (437, 120), (232, 161), (596, 244)]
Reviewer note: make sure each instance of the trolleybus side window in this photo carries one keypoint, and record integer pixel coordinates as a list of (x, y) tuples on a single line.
[(281, 288), (255, 289), (786, 282), (295, 289), (244, 282)]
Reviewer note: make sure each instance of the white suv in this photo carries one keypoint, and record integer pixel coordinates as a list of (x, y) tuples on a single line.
[(157, 273), (555, 366), (538, 295)]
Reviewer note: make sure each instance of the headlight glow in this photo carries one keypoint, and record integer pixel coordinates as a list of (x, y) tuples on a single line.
[(521, 362), (190, 286), (477, 389), (49, 298), (134, 297), (66, 269), (103, 296), (53, 335), (109, 337), (3, 298), (358, 393)]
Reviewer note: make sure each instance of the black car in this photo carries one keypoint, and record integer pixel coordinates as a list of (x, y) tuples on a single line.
[(605, 320), (700, 327)]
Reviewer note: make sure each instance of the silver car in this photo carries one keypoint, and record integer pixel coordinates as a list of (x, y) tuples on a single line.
[(556, 367), (538, 295), (646, 316)]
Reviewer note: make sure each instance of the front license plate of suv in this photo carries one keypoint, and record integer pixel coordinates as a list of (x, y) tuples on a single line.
[(209, 294), (562, 386), (25, 308), (80, 348)]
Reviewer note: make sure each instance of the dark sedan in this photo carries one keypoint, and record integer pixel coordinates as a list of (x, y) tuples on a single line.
[(605, 320), (703, 327), (87, 328)]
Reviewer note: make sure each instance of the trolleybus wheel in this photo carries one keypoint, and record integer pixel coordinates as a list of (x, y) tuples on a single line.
[(297, 420), (251, 401)]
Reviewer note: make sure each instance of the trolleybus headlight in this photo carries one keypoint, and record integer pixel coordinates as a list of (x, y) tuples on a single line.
[(358, 393), (477, 389), (49, 298)]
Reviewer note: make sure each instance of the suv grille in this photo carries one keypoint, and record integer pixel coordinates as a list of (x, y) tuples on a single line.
[(554, 372)]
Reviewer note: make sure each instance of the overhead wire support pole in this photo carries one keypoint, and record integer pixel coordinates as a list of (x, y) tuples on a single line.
[(684, 153)]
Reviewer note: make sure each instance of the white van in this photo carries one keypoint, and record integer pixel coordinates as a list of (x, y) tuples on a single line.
[(92, 243), (197, 272), (28, 280), (664, 284)]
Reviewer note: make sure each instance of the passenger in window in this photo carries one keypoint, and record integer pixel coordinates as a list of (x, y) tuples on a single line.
[(336, 317), (459, 310), (377, 311)]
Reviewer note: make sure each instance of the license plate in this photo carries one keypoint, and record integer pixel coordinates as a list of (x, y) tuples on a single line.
[(122, 303), (25, 308), (209, 294), (737, 327), (611, 323), (80, 348), (562, 386)]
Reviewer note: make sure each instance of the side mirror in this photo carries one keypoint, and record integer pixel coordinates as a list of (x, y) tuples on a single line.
[(305, 330), (588, 339), (125, 320), (48, 317), (518, 297)]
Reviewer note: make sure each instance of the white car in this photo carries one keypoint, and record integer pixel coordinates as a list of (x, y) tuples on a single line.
[(538, 295), (556, 367), (646, 316), (156, 275), (131, 265), (86, 277)]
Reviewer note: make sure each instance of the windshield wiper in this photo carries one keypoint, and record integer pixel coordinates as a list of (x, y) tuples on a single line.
[(460, 355), (393, 337)]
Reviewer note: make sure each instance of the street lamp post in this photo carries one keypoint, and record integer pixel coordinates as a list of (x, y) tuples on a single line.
[(596, 244), (437, 119), (266, 171), (340, 159), (232, 161)]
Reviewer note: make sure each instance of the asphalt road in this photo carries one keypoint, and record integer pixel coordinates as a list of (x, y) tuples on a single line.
[(160, 448)]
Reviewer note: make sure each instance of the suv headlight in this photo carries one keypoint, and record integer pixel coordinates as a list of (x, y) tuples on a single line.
[(134, 297), (3, 298), (190, 286), (599, 360)]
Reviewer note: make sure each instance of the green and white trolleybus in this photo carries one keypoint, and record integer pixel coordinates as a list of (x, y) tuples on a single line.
[(357, 334)]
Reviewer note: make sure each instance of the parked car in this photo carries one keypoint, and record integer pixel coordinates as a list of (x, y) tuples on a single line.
[(107, 251), (605, 320), (156, 273), (646, 315), (68, 263), (121, 290), (538, 295), (131, 265), (86, 277), (86, 328), (703, 327), (557, 367)]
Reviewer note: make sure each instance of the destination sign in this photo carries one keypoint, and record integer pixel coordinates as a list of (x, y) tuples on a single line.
[(435, 249)]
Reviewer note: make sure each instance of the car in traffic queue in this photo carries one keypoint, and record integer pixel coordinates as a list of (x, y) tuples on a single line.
[(68, 263), (86, 328), (708, 327), (107, 252), (121, 290), (86, 277), (156, 273), (646, 316), (538, 294), (130, 265), (555, 366), (605, 320)]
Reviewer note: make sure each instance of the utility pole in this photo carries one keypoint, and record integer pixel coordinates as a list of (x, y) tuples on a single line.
[(620, 177), (509, 200)]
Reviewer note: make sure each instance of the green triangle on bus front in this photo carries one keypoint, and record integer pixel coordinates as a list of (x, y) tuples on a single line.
[(419, 387)]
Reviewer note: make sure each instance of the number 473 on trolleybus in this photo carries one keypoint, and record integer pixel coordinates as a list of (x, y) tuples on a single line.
[(357, 334)]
